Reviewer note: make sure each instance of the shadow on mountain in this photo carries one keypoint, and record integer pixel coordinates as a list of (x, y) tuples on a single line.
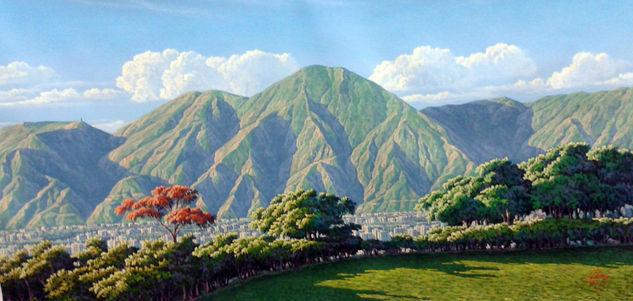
[(488, 129)]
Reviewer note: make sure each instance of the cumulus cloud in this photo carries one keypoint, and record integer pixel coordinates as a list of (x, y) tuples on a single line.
[(431, 70), (152, 76), (104, 94), (433, 76), (21, 73), (14, 95), (109, 126), (48, 97), (587, 69)]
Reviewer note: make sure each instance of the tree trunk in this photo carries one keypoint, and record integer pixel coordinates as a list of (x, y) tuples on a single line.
[(174, 236)]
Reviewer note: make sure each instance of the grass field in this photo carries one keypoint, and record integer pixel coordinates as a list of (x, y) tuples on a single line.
[(524, 275)]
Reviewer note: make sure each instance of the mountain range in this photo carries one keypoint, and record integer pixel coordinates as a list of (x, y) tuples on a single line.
[(322, 128)]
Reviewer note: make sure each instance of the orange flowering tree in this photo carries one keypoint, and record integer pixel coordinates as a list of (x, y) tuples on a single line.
[(170, 206)]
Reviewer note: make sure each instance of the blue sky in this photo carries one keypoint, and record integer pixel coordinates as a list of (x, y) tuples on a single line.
[(113, 61)]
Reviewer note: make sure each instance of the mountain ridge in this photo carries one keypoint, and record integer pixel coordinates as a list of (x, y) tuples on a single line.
[(322, 128)]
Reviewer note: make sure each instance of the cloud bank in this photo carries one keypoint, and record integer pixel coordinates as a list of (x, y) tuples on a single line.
[(432, 69), (154, 76), (106, 125), (20, 73), (433, 76)]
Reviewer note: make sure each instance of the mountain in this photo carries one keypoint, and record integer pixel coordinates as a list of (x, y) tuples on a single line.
[(599, 119), (499, 128), (54, 173), (322, 128), (488, 129)]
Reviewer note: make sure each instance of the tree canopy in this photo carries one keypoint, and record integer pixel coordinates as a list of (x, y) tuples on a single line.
[(303, 214), (170, 207), (565, 181), (496, 193)]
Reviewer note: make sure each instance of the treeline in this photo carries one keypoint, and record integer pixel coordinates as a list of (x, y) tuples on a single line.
[(535, 234), (572, 181), (184, 270), (304, 227)]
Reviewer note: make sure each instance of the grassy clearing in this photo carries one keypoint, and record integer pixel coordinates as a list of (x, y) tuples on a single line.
[(525, 275)]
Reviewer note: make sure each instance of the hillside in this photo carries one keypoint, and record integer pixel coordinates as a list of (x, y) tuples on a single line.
[(499, 128), (54, 173), (322, 128), (600, 118), (488, 129)]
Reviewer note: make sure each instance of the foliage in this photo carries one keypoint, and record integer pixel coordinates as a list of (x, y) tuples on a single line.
[(75, 284), (170, 207), (303, 214), (535, 234), (570, 180), (497, 193), (24, 275)]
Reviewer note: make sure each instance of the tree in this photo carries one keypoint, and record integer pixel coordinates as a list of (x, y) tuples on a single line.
[(24, 275), (170, 207), (303, 214), (563, 180), (75, 284), (496, 193)]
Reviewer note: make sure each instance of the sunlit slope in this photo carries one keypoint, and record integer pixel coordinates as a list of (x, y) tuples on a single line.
[(134, 186), (176, 141), (322, 128), (600, 118), (54, 173), (331, 130)]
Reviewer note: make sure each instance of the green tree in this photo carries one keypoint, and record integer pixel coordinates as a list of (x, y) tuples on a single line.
[(75, 284), (303, 214), (563, 180), (24, 275), (497, 192)]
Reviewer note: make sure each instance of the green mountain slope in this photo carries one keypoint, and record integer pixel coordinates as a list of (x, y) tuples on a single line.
[(322, 128), (176, 141), (488, 129), (599, 118), (134, 186), (54, 173), (499, 128)]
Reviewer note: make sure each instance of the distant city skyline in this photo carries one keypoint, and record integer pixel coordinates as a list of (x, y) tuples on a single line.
[(110, 62)]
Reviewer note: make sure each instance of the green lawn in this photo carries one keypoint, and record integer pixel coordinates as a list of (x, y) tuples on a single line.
[(524, 275)]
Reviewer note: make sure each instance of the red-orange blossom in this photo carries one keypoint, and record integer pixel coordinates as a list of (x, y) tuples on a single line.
[(170, 206)]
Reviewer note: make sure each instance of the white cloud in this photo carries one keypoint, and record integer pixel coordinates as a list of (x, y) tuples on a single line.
[(433, 76), (623, 79), (14, 95), (429, 98), (104, 94), (109, 126), (152, 76), (49, 97), (587, 69), (500, 63), (433, 70), (21, 73)]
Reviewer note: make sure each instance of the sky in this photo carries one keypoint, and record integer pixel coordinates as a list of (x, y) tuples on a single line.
[(109, 62)]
